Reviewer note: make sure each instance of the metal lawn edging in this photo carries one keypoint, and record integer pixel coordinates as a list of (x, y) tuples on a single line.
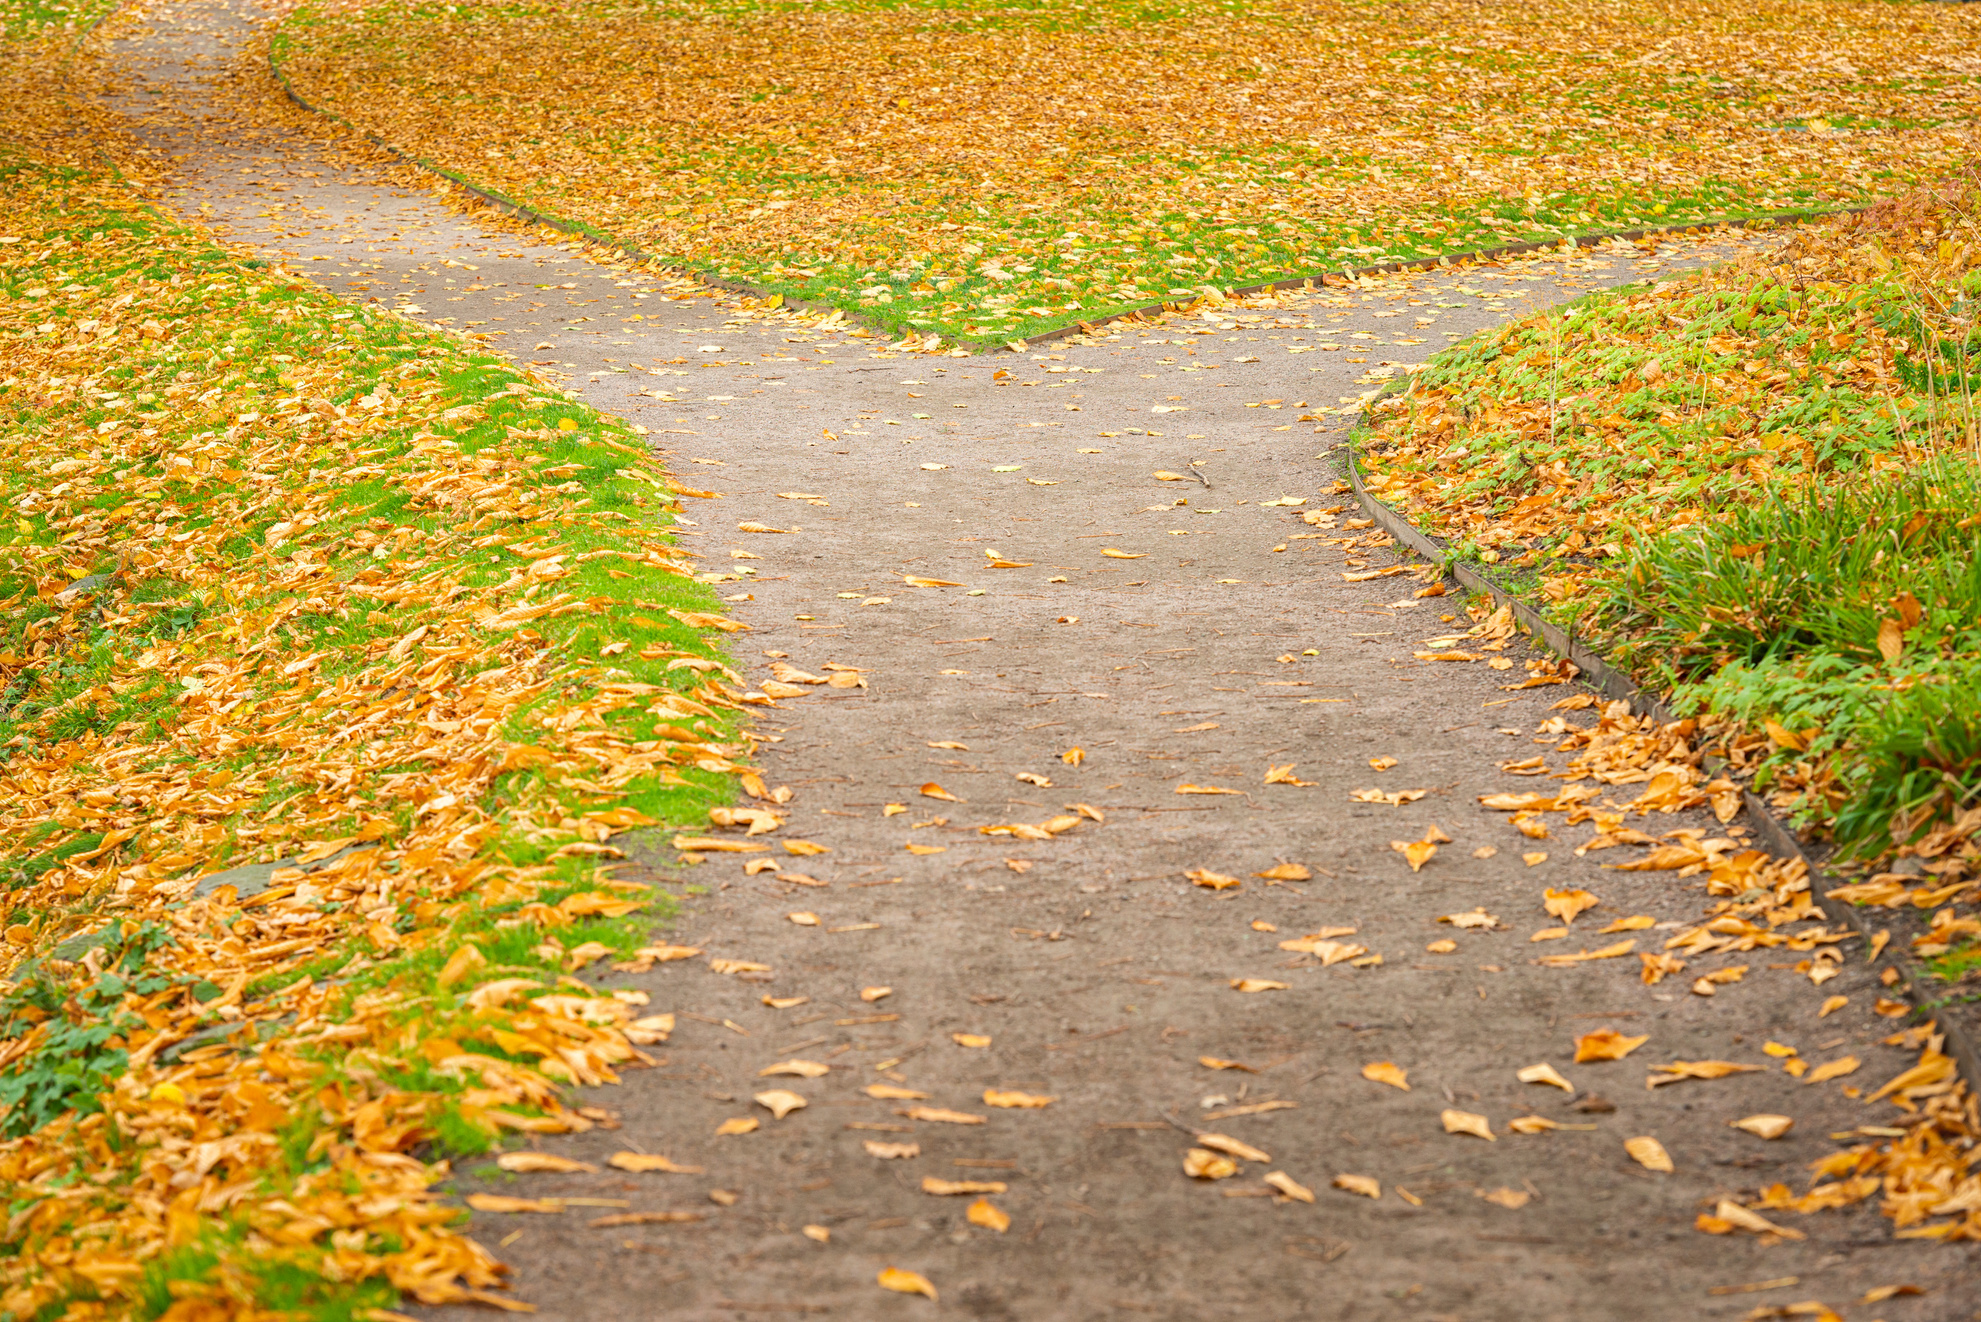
[(1611, 681)]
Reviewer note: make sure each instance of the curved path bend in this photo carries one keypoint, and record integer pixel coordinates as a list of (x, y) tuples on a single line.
[(1094, 971)]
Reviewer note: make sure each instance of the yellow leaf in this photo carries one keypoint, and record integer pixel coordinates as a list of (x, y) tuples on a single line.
[(1113, 554), (803, 919), (641, 1162), (780, 1102), (1649, 1153), (498, 1202), (1465, 1122), (804, 1069), (1286, 872), (948, 1188), (1696, 1069), (804, 848), (1205, 789), (1365, 1185), (1072, 757), (1764, 1125), (1416, 852), (822, 1234), (905, 1282), (1382, 1071), (891, 1151), (1545, 1073), (1232, 1147), (740, 1125), (916, 581), (935, 791), (1606, 1044), (1016, 1100), (541, 1161), (1531, 1124), (1290, 1187), (1203, 1164), (969, 1040), (1511, 1199), (1566, 904), (1257, 985), (941, 1115), (1216, 881), (1891, 641), (1834, 1069), (887, 1092), (986, 1214)]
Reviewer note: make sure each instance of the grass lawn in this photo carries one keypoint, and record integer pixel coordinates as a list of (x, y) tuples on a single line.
[(993, 170), (284, 579), (1756, 487)]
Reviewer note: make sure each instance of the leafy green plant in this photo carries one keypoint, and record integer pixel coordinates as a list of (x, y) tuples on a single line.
[(76, 1060)]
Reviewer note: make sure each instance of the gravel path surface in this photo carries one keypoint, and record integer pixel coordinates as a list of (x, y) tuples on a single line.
[(1181, 633)]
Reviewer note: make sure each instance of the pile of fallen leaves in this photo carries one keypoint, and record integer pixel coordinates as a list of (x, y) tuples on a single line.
[(991, 170), (332, 654)]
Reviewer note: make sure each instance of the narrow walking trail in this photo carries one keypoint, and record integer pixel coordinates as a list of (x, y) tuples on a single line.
[(989, 547)]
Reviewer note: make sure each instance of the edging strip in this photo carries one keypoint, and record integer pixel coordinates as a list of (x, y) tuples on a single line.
[(510, 207), (1613, 683)]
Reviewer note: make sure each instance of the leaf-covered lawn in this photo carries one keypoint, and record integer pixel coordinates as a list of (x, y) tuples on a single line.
[(1755, 487), (988, 170), (282, 581)]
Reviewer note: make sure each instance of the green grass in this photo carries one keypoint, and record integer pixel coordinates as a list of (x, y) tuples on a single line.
[(989, 170)]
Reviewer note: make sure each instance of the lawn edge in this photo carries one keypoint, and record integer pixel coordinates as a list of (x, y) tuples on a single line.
[(1615, 683), (1346, 274)]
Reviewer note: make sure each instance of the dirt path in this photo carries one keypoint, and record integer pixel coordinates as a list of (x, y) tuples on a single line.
[(1086, 967)]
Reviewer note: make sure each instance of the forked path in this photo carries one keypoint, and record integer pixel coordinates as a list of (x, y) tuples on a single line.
[(1177, 644)]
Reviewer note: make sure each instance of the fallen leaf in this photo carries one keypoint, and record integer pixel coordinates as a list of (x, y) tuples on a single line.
[(887, 1092), (804, 1069), (804, 848), (1696, 1069), (1474, 918), (499, 1202), (1213, 1063), (1365, 1185), (786, 1002), (941, 1115), (986, 1214), (1465, 1122), (1732, 1216), (1016, 1100), (905, 1282), (1764, 1125), (1444, 945), (1649, 1153), (950, 1188), (1033, 778), (642, 1162), (1382, 1071), (1878, 1294), (803, 919), (1232, 1147), (1205, 789), (1531, 1124), (927, 849), (872, 994), (969, 1039), (1216, 881), (891, 1151), (1290, 1187), (1534, 859), (916, 581), (1257, 985), (935, 791), (1286, 872), (1606, 1044), (1634, 923), (1113, 554), (1566, 904), (1072, 757), (541, 1161), (1545, 1073), (1416, 852), (1511, 1199), (1381, 763), (1834, 1069), (1831, 1005), (822, 1234), (645, 1219), (1203, 1164), (780, 1102)]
